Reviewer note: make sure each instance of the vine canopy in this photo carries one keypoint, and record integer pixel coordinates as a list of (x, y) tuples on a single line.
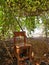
[(25, 7)]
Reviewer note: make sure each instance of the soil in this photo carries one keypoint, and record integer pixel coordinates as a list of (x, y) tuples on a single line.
[(40, 46)]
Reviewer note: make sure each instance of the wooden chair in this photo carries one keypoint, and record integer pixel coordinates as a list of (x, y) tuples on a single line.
[(22, 51)]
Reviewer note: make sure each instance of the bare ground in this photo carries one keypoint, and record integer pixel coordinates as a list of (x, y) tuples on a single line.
[(40, 46)]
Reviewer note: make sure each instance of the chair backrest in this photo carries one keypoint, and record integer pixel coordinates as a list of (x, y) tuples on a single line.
[(19, 35)]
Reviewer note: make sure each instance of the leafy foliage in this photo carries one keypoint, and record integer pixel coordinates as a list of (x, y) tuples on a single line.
[(27, 7), (30, 23), (10, 9)]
